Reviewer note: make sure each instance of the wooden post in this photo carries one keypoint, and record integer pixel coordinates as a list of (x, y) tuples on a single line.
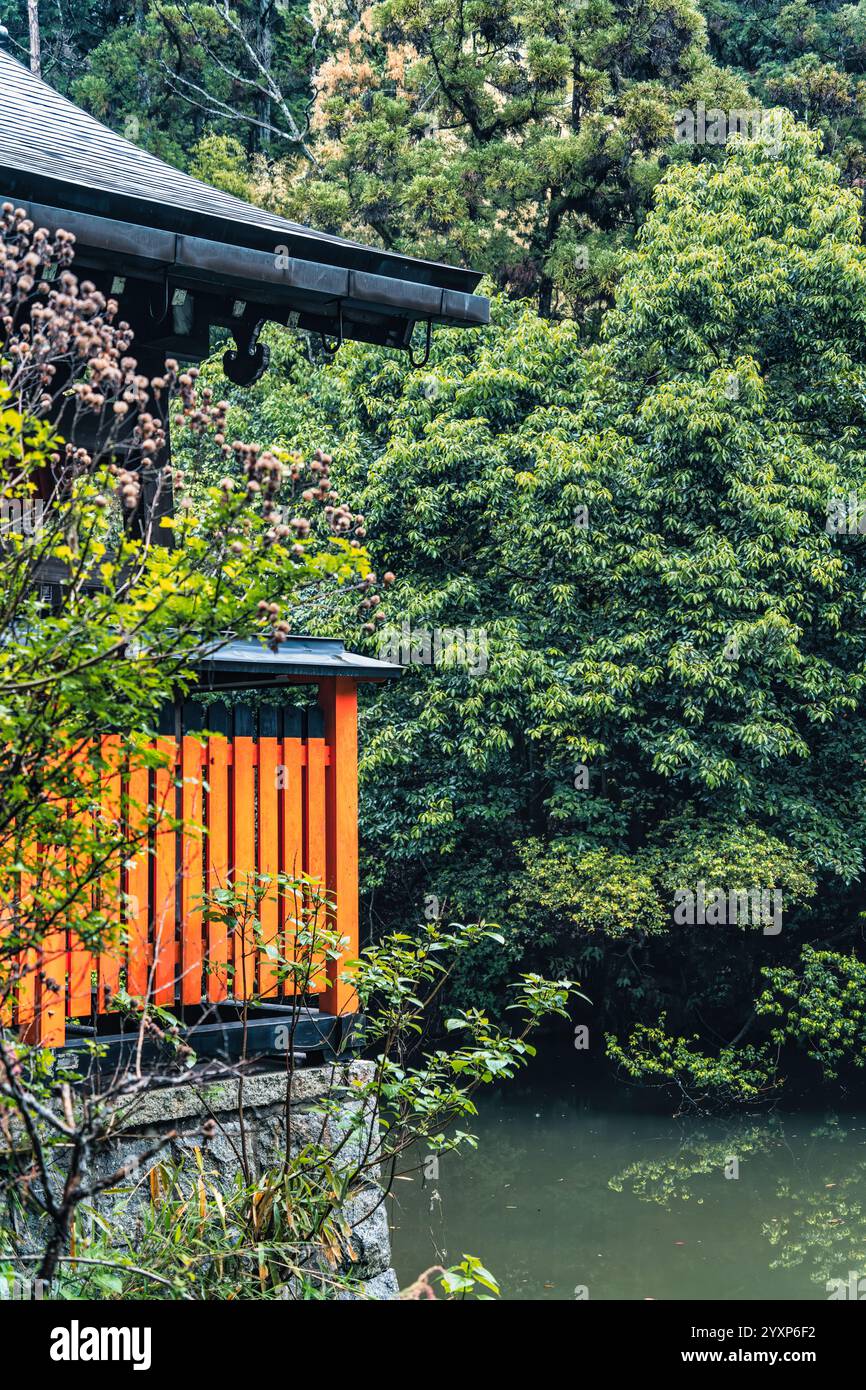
[(110, 784), (338, 698), (315, 842), (243, 848), (137, 881), (292, 833), (191, 859), (165, 874), (217, 847), (269, 847)]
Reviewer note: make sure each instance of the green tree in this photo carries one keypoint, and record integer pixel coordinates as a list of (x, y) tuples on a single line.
[(524, 139), (170, 75), (810, 58), (646, 532)]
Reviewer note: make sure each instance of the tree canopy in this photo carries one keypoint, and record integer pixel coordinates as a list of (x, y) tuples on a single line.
[(674, 632)]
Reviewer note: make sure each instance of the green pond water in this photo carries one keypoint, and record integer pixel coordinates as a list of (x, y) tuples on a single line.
[(579, 1191)]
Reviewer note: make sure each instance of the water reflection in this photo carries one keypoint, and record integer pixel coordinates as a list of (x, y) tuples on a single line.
[(572, 1193), (817, 1220)]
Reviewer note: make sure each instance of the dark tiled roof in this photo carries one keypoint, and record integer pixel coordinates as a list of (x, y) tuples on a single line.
[(297, 656), (52, 152)]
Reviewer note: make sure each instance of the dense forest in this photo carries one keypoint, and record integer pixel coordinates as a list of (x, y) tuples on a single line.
[(636, 490)]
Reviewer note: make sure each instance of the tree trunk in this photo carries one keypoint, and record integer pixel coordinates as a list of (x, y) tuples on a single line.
[(264, 45), (143, 77), (35, 46)]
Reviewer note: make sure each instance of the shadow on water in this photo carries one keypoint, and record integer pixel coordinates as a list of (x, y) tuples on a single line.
[(580, 1189)]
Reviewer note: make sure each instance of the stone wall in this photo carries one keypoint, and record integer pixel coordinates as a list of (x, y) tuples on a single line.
[(186, 1109)]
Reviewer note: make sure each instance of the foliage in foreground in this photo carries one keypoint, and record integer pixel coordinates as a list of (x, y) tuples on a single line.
[(172, 1228)]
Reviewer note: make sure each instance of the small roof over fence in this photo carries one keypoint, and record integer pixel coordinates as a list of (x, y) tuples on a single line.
[(312, 657)]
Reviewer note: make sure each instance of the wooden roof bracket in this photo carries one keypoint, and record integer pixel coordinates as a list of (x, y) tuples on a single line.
[(421, 362), (326, 347), (250, 361), (159, 318)]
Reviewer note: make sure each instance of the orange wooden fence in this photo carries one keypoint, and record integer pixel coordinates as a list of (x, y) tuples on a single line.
[(274, 791)]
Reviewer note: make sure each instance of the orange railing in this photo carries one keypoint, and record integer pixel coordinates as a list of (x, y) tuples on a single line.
[(275, 794)]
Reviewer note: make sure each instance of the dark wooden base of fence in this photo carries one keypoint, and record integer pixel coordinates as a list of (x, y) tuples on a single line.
[(227, 1032)]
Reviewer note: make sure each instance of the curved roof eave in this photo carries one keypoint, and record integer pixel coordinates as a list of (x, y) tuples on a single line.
[(52, 151)]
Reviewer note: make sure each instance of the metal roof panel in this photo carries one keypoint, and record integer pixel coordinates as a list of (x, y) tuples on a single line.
[(297, 656)]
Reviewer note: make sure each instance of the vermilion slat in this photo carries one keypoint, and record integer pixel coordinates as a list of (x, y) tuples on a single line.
[(216, 858), (192, 879), (13, 996), (49, 1023), (109, 884), (138, 963), (244, 861), (269, 848), (164, 876), (292, 845), (80, 962), (28, 964), (315, 865), (339, 700)]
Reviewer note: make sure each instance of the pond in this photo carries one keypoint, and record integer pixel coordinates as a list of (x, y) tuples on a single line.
[(579, 1190)]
